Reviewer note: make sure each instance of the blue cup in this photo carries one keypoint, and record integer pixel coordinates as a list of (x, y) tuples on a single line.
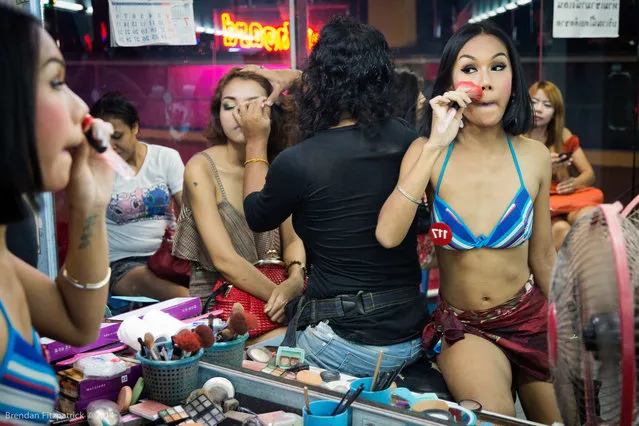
[(321, 415), (381, 397)]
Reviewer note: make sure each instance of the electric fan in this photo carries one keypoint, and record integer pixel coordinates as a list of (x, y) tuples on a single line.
[(591, 324)]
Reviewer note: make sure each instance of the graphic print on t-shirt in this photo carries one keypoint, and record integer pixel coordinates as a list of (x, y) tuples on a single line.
[(142, 204)]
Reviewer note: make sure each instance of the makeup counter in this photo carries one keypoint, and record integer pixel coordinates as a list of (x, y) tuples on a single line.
[(166, 364)]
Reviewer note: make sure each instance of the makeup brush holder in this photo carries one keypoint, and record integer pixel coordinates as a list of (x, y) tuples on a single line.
[(321, 414), (170, 382), (381, 397), (226, 353)]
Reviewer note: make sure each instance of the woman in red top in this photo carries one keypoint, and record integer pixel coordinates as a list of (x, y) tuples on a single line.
[(571, 193)]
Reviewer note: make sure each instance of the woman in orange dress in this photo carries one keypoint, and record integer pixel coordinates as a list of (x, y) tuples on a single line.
[(571, 192)]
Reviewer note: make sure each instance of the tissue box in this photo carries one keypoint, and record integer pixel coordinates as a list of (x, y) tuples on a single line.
[(58, 350), (179, 307), (74, 385)]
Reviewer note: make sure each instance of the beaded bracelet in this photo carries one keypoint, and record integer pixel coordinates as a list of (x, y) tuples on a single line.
[(302, 266)]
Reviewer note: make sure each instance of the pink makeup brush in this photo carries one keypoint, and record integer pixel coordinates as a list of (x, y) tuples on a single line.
[(78, 357)]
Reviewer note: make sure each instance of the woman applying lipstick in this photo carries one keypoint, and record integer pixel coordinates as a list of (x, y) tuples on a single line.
[(43, 148), (488, 187), (571, 196)]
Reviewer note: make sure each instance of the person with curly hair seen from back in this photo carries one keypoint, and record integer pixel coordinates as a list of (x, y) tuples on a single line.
[(361, 298)]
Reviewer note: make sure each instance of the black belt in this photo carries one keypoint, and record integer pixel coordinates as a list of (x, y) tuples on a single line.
[(304, 310)]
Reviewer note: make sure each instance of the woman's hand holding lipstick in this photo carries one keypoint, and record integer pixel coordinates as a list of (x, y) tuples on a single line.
[(91, 179), (446, 117), (98, 134)]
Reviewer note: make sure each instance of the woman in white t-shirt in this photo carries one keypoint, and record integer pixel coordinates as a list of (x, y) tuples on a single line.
[(140, 208)]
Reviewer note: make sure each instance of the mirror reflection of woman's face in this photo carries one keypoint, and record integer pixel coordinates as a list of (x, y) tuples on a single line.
[(484, 60), (543, 108), (237, 92), (59, 115)]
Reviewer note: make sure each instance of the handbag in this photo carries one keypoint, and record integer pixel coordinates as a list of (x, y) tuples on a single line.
[(168, 267), (225, 295)]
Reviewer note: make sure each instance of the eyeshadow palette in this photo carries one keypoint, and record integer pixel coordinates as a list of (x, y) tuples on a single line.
[(268, 369), (203, 411), (173, 415), (288, 357), (280, 372), (148, 409)]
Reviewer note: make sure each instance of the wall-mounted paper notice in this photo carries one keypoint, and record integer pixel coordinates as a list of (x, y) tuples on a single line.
[(143, 23), (585, 19)]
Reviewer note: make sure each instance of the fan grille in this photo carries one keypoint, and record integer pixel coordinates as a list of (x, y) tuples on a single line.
[(587, 372)]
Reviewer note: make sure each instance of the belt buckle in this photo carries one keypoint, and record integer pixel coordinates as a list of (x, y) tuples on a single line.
[(227, 290), (354, 302)]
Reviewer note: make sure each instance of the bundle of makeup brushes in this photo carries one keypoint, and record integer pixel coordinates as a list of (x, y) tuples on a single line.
[(344, 404), (386, 379), (182, 345), (348, 399)]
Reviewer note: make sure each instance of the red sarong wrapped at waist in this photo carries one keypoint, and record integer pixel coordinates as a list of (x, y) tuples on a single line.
[(518, 327)]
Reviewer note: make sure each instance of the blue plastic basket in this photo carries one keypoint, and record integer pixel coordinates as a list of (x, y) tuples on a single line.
[(170, 382), (226, 353)]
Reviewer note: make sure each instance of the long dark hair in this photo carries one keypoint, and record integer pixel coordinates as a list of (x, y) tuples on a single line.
[(282, 115), (406, 88), (20, 173), (349, 72), (518, 117)]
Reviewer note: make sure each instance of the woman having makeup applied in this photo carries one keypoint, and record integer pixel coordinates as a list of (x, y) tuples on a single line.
[(43, 148), (212, 231), (488, 187)]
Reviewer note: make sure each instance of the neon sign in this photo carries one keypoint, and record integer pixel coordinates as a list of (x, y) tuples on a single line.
[(254, 35)]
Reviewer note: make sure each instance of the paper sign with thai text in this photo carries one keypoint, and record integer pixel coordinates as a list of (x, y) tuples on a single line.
[(585, 19)]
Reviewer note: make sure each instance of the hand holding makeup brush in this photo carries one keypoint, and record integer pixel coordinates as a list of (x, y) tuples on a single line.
[(91, 178), (448, 110)]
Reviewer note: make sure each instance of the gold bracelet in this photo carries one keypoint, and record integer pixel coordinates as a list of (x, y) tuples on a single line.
[(86, 286), (255, 160)]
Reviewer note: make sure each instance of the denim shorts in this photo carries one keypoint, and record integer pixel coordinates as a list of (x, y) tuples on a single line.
[(325, 349), (121, 267)]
